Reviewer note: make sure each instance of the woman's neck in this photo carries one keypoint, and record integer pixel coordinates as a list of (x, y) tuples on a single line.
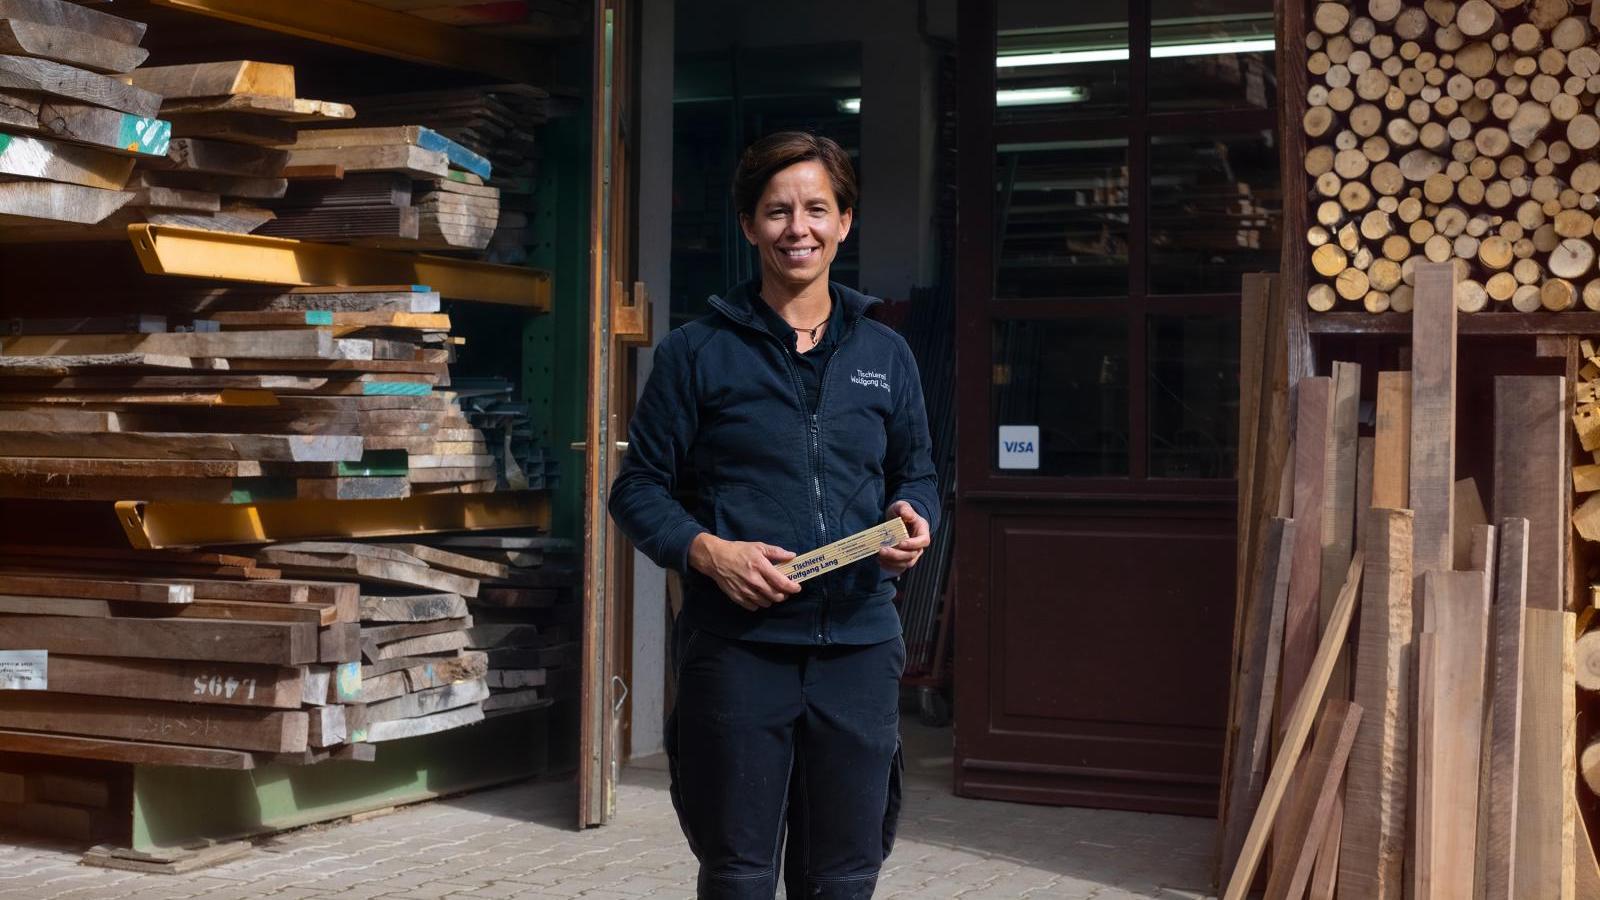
[(802, 306)]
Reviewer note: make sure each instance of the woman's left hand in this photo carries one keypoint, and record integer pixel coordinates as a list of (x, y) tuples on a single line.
[(899, 557)]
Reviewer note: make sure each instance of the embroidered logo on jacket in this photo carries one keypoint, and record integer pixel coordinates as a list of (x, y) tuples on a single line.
[(871, 379)]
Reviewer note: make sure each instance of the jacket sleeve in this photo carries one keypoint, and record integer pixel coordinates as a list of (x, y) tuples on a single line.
[(663, 429), (908, 466)]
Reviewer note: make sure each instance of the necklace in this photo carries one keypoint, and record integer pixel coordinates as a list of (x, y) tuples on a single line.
[(812, 331)]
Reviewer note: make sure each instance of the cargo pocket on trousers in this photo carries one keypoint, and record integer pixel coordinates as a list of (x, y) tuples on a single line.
[(891, 810)]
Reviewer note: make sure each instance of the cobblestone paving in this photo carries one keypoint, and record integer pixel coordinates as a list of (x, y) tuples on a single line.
[(517, 842)]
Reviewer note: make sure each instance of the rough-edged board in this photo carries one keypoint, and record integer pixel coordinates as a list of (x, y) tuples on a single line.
[(1451, 703), (45, 744), (413, 161), (415, 135), (43, 76), (1377, 788), (416, 608), (404, 728), (97, 589), (195, 639), (1468, 516), (212, 157), (1433, 416), (64, 45), (422, 703), (156, 445), (1301, 616), (218, 79), (75, 17), (52, 201), (1294, 740), (1497, 801), (219, 683), (1546, 800), (195, 725), (1532, 466), (371, 569), (1338, 506), (314, 343)]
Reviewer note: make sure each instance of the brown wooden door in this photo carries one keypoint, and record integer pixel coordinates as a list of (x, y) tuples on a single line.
[(616, 321), (1118, 175)]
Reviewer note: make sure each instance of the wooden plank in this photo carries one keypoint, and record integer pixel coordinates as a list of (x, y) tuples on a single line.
[(421, 703), (315, 343), (1532, 463), (339, 643), (1497, 799), (43, 76), (415, 608), (1294, 741), (1377, 792), (195, 725), (96, 589), (63, 45), (418, 646), (443, 721), (413, 161), (76, 18), (137, 752), (213, 157), (383, 634), (1365, 447), (179, 681), (1392, 441), (1546, 803), (1456, 615), (1303, 827), (217, 79), (1312, 429), (196, 639), (51, 201), (1433, 410), (1338, 506), (157, 445), (328, 726), (240, 128), (370, 569), (458, 563)]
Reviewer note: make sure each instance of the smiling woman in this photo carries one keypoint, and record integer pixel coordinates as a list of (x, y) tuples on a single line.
[(801, 422)]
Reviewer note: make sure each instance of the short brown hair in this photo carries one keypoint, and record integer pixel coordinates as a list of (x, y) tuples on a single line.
[(776, 152)]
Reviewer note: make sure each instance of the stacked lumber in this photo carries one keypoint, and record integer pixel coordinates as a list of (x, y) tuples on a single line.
[(416, 676), (525, 616), (311, 394), (1430, 750), (404, 187), (1458, 132), (496, 122), (171, 658), (507, 427), (71, 128)]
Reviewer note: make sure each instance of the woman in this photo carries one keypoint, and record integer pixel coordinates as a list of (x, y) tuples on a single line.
[(800, 422)]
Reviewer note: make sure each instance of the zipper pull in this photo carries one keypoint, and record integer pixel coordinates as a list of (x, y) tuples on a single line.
[(813, 423)]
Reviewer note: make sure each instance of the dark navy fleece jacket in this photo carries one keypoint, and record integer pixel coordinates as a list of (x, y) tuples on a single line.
[(725, 403)]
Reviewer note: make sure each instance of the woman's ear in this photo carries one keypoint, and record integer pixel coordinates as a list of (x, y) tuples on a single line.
[(744, 226), (846, 219)]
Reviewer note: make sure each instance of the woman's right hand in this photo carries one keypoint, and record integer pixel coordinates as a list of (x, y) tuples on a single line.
[(744, 570)]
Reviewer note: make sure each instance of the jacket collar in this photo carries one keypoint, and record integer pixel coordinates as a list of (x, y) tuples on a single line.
[(738, 303)]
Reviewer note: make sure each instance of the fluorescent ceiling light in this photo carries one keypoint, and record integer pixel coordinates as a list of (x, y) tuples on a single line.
[(1018, 97), (1040, 96), (1117, 54)]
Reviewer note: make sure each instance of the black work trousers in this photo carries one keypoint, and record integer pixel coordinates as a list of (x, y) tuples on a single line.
[(768, 740)]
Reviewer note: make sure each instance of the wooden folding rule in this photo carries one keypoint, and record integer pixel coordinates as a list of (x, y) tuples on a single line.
[(845, 551)]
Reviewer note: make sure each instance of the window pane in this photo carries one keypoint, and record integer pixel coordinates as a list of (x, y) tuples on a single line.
[(1061, 213), (1194, 396), (1215, 211), (1070, 379), (1061, 60), (1211, 54)]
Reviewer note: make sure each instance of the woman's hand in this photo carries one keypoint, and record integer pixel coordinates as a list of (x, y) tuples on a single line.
[(744, 570), (902, 556)]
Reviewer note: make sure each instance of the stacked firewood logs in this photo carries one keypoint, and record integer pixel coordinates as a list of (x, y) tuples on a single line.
[(1454, 132)]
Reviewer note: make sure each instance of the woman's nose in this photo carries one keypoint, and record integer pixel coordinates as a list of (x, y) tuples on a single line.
[(797, 227)]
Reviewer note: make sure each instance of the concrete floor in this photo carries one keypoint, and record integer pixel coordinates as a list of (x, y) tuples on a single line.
[(518, 842)]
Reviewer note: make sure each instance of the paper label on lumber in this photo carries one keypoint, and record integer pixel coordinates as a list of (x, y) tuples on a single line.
[(24, 670)]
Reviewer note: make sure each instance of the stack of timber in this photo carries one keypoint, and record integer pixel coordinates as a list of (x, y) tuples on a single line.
[(71, 127), (417, 676), (525, 616), (498, 123), (173, 658), (312, 394), (404, 187), (1450, 132), (1430, 750), (507, 427)]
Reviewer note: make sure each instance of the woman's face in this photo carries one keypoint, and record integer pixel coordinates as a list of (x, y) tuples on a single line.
[(797, 225)]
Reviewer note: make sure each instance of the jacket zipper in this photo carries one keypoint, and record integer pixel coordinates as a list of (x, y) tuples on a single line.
[(813, 430)]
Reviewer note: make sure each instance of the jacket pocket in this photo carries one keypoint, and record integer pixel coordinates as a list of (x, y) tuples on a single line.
[(745, 512), (862, 510)]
